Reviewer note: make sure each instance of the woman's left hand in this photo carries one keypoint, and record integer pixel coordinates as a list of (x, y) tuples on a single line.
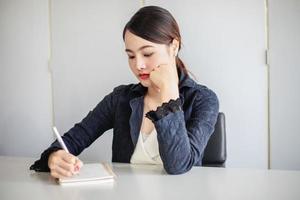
[(165, 79)]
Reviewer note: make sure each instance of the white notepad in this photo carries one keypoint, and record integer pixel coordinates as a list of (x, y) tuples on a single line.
[(99, 172)]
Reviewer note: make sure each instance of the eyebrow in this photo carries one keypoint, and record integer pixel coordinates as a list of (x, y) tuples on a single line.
[(141, 48)]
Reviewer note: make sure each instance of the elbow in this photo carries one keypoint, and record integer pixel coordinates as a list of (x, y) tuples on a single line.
[(177, 170), (179, 164)]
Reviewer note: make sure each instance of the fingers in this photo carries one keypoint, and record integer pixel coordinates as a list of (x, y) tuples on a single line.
[(59, 172), (63, 164), (69, 158), (158, 67), (157, 89), (163, 77), (66, 166), (78, 165), (153, 78)]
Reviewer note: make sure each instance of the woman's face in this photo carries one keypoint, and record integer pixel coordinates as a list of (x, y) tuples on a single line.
[(144, 56)]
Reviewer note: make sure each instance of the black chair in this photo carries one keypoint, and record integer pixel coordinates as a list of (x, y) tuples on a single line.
[(215, 152)]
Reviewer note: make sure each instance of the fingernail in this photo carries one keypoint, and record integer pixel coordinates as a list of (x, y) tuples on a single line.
[(76, 172)]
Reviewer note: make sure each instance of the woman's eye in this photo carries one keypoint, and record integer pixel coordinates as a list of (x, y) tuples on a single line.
[(148, 54), (131, 57)]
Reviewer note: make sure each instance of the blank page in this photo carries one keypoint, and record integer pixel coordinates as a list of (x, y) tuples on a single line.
[(91, 172)]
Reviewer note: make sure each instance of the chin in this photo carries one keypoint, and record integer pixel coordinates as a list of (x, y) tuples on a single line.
[(145, 83)]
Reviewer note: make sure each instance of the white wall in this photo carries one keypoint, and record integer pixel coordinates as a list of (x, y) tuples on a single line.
[(285, 82), (25, 103), (88, 60)]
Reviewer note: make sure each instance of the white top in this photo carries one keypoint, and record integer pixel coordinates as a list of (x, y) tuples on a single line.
[(146, 150)]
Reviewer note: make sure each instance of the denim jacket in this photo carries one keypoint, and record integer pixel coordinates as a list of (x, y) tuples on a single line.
[(182, 134)]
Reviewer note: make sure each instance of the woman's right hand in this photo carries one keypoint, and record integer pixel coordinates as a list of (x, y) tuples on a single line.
[(63, 164)]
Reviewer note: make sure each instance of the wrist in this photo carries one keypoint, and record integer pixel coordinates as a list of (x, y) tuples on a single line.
[(171, 106), (169, 93)]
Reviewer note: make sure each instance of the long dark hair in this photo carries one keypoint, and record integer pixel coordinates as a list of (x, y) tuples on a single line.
[(157, 25)]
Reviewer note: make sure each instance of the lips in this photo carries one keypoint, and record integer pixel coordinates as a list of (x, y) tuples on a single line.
[(144, 76)]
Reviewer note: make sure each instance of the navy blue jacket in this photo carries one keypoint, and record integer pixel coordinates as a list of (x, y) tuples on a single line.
[(182, 135)]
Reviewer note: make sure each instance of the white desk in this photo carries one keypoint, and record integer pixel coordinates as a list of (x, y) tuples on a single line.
[(151, 182)]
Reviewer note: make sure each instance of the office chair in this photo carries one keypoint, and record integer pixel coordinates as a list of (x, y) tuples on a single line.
[(215, 151)]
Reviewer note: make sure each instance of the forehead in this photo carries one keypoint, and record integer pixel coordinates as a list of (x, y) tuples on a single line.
[(134, 42)]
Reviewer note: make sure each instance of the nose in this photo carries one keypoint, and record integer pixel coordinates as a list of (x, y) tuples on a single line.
[(140, 64)]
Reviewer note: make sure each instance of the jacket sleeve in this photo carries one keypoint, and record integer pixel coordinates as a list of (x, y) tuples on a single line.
[(84, 133), (182, 143)]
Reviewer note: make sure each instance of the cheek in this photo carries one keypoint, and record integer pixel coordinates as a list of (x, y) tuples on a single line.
[(158, 59), (162, 58), (151, 64)]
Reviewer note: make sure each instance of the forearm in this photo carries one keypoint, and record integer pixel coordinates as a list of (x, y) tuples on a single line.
[(177, 151), (83, 133), (174, 144), (181, 142)]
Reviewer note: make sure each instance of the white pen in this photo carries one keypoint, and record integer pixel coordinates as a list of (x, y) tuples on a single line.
[(60, 140)]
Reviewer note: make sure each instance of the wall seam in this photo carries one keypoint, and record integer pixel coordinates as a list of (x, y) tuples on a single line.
[(268, 80), (142, 3), (49, 63)]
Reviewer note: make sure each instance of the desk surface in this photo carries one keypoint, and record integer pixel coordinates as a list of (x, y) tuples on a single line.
[(151, 182)]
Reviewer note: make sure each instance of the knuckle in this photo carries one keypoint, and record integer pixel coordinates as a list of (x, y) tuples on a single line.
[(59, 151), (54, 159), (53, 174), (51, 166), (71, 159), (68, 174), (69, 167)]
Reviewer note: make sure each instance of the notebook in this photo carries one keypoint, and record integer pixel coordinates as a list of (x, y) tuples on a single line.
[(91, 172)]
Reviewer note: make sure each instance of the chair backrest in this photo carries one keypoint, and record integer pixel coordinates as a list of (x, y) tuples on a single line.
[(215, 152)]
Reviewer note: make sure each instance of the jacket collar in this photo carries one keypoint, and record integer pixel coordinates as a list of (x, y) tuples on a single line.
[(185, 80)]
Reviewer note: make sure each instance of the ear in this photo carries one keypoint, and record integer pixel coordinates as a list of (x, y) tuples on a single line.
[(175, 47)]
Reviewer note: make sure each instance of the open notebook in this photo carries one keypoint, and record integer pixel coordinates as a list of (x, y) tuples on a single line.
[(99, 172)]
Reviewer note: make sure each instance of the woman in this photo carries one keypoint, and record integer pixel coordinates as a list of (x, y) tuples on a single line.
[(165, 119)]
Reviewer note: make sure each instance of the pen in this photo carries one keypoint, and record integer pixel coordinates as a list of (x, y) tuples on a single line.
[(60, 140)]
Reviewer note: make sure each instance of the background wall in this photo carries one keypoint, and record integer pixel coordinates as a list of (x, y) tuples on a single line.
[(88, 61), (285, 81), (224, 45), (25, 97)]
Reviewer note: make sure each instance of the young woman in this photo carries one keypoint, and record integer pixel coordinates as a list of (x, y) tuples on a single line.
[(166, 118)]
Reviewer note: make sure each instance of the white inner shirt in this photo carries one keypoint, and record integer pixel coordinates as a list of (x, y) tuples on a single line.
[(146, 150)]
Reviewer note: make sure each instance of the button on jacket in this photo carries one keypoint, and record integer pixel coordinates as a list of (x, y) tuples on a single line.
[(182, 135)]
